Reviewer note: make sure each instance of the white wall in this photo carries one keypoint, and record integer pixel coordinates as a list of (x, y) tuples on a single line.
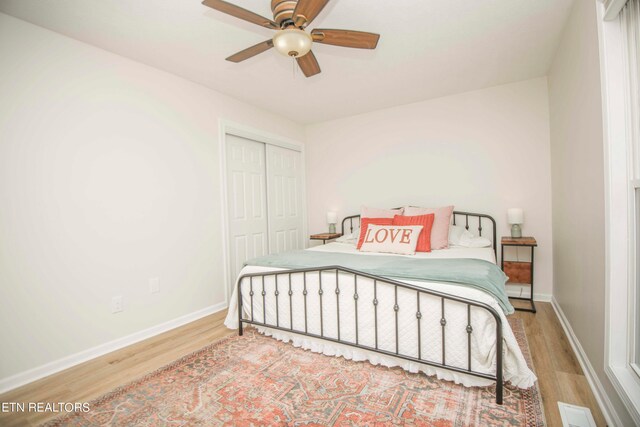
[(575, 108), (483, 151), (109, 175)]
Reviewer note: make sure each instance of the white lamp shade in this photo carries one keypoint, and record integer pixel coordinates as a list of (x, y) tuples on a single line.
[(332, 217), (292, 42), (515, 216)]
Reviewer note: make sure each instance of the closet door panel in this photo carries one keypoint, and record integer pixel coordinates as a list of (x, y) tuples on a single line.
[(246, 201), (284, 195)]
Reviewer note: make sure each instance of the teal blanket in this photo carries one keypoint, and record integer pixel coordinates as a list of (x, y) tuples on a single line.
[(474, 273)]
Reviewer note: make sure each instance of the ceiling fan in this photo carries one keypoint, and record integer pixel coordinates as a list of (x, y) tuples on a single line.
[(290, 18)]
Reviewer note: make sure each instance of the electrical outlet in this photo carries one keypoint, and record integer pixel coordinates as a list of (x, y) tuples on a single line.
[(154, 285), (116, 304)]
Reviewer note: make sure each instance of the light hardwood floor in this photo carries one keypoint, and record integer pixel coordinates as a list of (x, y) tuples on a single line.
[(559, 374)]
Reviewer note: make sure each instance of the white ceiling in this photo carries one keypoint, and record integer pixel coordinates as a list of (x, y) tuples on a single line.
[(427, 49)]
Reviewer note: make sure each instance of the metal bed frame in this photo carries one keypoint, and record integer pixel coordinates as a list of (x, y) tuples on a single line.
[(258, 291)]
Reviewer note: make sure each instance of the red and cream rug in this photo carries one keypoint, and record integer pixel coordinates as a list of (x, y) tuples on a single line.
[(257, 381)]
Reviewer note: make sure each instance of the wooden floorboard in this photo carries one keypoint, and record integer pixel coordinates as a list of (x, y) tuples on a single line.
[(560, 376), (559, 373)]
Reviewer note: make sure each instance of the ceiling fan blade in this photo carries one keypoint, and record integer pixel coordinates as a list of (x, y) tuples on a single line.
[(307, 10), (238, 12), (309, 64), (251, 51), (346, 38)]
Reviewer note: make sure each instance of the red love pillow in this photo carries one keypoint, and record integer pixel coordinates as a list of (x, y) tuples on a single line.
[(364, 224), (426, 221)]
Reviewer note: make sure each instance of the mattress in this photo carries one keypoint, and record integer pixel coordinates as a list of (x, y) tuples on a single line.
[(483, 347)]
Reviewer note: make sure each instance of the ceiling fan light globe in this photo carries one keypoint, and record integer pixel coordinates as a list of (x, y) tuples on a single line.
[(292, 42)]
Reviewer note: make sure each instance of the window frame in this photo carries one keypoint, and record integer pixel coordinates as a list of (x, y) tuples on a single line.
[(634, 279), (620, 232)]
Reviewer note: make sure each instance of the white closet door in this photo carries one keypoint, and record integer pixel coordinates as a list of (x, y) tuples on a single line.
[(284, 189), (246, 201)]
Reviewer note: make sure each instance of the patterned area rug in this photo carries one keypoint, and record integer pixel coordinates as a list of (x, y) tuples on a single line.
[(256, 381)]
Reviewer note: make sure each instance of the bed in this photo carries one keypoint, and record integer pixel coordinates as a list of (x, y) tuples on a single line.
[(335, 300)]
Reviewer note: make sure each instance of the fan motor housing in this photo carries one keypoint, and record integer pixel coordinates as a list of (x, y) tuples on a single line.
[(283, 11)]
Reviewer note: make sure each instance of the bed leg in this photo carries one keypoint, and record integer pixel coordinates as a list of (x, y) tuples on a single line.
[(240, 331), (499, 362)]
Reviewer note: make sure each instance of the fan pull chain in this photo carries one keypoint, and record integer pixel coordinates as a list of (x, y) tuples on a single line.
[(293, 71)]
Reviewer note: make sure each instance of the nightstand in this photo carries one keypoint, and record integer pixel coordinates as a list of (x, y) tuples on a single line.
[(520, 272), (325, 236)]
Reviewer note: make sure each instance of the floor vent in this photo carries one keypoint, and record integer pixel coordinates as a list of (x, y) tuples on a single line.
[(575, 416)]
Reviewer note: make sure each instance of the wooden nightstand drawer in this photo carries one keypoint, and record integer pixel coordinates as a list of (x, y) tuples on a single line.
[(518, 272)]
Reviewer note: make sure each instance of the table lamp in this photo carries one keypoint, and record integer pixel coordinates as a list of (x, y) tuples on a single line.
[(515, 217), (332, 219)]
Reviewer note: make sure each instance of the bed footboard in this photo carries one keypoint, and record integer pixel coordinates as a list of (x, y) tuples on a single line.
[(333, 305)]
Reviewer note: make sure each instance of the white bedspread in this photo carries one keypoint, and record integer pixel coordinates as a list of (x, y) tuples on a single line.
[(453, 252), (483, 348)]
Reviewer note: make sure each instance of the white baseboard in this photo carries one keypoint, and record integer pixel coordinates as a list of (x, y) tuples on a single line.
[(17, 380), (609, 412), (536, 297)]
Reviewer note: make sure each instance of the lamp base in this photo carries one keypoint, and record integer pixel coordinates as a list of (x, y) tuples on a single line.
[(332, 228), (516, 231)]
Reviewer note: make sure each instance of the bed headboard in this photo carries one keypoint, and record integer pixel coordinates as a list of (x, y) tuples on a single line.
[(459, 218)]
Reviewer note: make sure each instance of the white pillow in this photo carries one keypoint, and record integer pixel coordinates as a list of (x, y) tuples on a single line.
[(366, 212), (471, 241), (350, 237), (394, 239), (460, 236), (455, 233)]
